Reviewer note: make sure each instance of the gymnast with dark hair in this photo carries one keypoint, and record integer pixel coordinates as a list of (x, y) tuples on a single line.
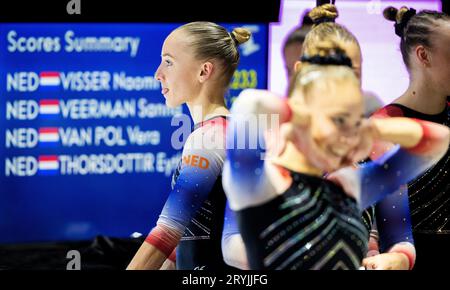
[(292, 44), (424, 44)]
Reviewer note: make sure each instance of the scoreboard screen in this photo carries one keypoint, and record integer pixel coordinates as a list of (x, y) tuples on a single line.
[(85, 136)]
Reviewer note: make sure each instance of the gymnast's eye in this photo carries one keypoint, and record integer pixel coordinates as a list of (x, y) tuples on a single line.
[(339, 121)]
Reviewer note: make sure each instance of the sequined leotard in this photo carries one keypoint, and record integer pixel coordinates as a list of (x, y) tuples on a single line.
[(314, 224), (429, 198)]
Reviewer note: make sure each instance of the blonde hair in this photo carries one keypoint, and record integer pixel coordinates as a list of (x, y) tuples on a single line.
[(212, 41), (323, 11), (311, 76), (325, 28)]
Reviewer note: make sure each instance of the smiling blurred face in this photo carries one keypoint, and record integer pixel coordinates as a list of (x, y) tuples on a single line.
[(337, 112), (178, 70)]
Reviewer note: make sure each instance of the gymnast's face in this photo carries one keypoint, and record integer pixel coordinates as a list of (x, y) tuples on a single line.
[(440, 57), (178, 70), (337, 113)]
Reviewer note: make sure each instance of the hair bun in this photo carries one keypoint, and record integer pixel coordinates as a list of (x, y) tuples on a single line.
[(324, 13), (390, 13), (240, 35), (306, 20), (400, 16)]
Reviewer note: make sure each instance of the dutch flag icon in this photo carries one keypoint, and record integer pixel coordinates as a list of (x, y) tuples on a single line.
[(48, 136), (49, 108), (48, 164), (49, 79)]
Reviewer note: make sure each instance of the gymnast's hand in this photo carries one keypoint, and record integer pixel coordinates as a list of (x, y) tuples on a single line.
[(315, 136), (276, 138), (387, 261), (299, 134), (363, 146), (327, 146)]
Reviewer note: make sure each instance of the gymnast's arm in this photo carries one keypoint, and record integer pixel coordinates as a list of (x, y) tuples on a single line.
[(244, 177), (233, 248), (424, 143), (393, 217), (191, 189), (395, 232), (420, 144), (171, 262)]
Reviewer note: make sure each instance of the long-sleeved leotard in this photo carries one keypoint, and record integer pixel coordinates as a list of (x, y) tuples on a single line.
[(249, 188), (192, 217), (233, 249), (428, 197)]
